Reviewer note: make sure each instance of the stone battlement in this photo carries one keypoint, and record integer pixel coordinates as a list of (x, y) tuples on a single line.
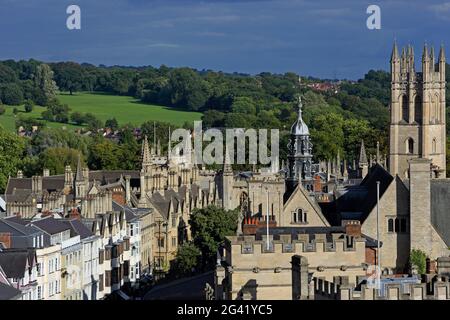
[(300, 244), (411, 290)]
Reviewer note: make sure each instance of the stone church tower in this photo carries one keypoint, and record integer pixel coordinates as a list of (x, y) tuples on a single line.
[(417, 125), (300, 155)]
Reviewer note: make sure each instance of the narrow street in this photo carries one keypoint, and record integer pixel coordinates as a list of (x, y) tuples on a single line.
[(187, 289)]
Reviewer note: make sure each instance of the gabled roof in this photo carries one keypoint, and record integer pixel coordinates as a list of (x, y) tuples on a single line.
[(311, 200), (8, 292), (129, 213), (78, 228), (15, 261), (10, 226), (51, 225), (363, 198)]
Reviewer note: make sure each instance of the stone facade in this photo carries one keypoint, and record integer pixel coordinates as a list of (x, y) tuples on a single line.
[(417, 128)]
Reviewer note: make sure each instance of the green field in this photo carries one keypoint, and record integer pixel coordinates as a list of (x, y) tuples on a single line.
[(103, 106)]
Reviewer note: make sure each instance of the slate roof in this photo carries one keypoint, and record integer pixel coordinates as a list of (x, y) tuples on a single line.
[(51, 225), (363, 198), (129, 213), (440, 208), (9, 293), (78, 228), (14, 261)]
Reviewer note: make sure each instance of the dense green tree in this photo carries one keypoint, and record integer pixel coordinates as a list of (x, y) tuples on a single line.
[(213, 118), (186, 89), (327, 135), (209, 227), (11, 94), (7, 74), (69, 76), (103, 155), (57, 112), (130, 151), (112, 124), (78, 118), (92, 122), (239, 120), (12, 150), (2, 109), (44, 83), (57, 137), (55, 159), (186, 260), (28, 106), (244, 105)]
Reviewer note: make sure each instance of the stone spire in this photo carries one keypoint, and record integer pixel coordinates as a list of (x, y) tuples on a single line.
[(411, 59), (338, 164), (345, 174), (442, 64), (227, 168), (146, 158), (378, 160), (363, 155), (394, 55), (432, 58), (442, 54), (300, 127), (79, 174), (403, 62)]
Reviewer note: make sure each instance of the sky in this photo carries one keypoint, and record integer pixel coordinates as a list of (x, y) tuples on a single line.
[(321, 38)]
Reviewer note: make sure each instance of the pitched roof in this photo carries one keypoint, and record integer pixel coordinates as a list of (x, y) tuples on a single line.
[(51, 225), (14, 261), (9, 293), (129, 213), (78, 228), (440, 202), (363, 198)]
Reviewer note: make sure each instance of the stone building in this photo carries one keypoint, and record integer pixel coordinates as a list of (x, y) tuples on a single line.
[(417, 128), (256, 267)]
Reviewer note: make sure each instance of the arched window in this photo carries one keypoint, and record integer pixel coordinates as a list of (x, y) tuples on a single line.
[(431, 111), (410, 145), (299, 216), (433, 146), (437, 113), (418, 109), (390, 225), (404, 108)]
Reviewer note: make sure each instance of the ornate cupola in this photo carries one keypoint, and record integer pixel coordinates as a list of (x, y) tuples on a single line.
[(300, 154)]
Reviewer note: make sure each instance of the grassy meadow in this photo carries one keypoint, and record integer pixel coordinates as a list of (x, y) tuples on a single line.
[(125, 109)]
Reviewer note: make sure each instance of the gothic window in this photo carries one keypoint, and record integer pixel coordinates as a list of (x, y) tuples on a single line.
[(433, 146), (397, 225), (436, 109), (404, 108), (299, 216), (418, 109), (410, 145)]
